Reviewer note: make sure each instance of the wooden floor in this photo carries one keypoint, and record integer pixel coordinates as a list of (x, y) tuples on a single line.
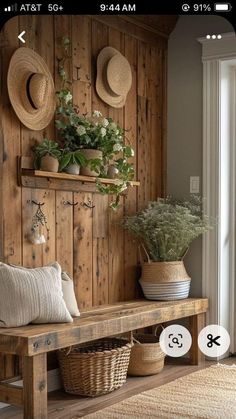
[(62, 406)]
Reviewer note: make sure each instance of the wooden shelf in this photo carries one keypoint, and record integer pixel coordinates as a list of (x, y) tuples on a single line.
[(28, 177)]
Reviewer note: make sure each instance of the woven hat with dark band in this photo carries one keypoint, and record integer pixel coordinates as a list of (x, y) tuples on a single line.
[(114, 77), (31, 89)]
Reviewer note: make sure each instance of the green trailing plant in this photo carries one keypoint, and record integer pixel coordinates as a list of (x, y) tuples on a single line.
[(93, 132), (47, 147), (71, 157), (167, 227)]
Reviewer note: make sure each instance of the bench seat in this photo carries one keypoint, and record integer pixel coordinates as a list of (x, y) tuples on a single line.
[(96, 323), (33, 342)]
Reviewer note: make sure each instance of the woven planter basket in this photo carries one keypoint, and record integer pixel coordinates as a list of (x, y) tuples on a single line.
[(96, 368), (146, 356), (162, 272)]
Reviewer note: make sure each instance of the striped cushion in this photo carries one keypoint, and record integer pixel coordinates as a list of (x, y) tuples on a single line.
[(31, 296)]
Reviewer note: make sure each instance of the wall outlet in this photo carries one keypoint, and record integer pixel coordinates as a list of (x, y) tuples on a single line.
[(194, 184)]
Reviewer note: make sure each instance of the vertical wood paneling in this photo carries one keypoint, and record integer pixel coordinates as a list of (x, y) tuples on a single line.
[(10, 206), (83, 255), (100, 222), (40, 37), (64, 213), (64, 231), (11, 148), (83, 246), (116, 233), (87, 243), (130, 125)]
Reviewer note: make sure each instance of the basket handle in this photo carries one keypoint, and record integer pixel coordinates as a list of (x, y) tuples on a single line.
[(146, 253), (157, 327), (66, 351)]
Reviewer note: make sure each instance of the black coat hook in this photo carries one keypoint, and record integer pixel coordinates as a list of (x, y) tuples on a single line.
[(88, 204), (73, 204), (40, 204)]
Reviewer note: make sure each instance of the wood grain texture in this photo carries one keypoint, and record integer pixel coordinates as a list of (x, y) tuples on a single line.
[(87, 243), (11, 394), (35, 387), (196, 324), (64, 231), (83, 256), (101, 276), (96, 323)]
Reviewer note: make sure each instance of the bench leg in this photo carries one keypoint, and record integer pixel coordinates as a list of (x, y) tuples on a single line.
[(35, 386), (196, 324)]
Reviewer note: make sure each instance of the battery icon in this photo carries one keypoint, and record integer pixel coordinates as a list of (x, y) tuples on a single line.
[(222, 7)]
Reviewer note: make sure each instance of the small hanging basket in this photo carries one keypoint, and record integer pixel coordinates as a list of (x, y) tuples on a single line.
[(96, 368), (146, 356)]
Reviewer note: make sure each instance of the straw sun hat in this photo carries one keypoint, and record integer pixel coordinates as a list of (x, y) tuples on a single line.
[(114, 77), (31, 89)]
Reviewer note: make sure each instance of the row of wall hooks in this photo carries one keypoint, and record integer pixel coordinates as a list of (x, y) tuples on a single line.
[(86, 204), (39, 232)]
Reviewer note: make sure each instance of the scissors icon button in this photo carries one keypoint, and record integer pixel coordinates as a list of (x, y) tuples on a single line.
[(212, 340)]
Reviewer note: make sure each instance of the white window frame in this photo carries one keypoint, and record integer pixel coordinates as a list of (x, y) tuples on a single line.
[(222, 305)]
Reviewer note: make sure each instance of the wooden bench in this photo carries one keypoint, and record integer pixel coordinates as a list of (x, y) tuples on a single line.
[(32, 343)]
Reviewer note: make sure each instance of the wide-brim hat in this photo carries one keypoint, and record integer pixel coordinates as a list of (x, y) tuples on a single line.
[(31, 89), (114, 77)]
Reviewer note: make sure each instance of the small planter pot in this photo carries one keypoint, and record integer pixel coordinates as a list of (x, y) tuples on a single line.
[(112, 171), (72, 169), (90, 154), (49, 164), (165, 280)]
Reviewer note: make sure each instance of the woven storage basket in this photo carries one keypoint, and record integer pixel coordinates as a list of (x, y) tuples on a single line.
[(96, 368), (162, 272), (146, 356)]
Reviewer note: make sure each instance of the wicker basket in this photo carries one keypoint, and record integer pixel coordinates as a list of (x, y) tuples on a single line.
[(96, 368), (146, 357), (162, 272)]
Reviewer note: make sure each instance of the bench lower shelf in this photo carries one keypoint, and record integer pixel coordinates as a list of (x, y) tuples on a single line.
[(62, 405)]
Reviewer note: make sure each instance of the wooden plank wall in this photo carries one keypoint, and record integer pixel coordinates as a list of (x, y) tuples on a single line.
[(88, 243)]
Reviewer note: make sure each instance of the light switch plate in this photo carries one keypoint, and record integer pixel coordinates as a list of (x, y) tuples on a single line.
[(194, 184)]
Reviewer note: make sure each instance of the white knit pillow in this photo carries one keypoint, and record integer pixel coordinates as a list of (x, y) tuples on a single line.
[(31, 296), (69, 294)]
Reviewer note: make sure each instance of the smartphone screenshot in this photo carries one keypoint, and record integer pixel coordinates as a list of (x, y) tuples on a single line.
[(117, 209)]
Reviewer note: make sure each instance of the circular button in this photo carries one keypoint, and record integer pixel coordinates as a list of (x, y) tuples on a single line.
[(213, 340), (175, 340)]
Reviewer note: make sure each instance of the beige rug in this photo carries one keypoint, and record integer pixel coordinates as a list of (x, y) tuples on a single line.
[(209, 393)]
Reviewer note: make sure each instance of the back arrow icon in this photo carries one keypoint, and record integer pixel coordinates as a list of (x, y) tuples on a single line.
[(21, 37)]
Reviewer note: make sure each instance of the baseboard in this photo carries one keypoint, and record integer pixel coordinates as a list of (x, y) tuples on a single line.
[(54, 383)]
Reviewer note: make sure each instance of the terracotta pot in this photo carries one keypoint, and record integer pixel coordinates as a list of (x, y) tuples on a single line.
[(49, 164), (112, 171), (72, 169), (90, 154)]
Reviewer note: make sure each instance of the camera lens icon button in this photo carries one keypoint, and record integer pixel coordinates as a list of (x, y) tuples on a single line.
[(175, 340)]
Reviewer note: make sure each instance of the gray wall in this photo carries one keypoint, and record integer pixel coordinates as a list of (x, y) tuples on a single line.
[(184, 144)]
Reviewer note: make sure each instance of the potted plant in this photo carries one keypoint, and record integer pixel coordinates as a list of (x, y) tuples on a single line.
[(99, 139), (71, 161), (165, 229), (47, 155)]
